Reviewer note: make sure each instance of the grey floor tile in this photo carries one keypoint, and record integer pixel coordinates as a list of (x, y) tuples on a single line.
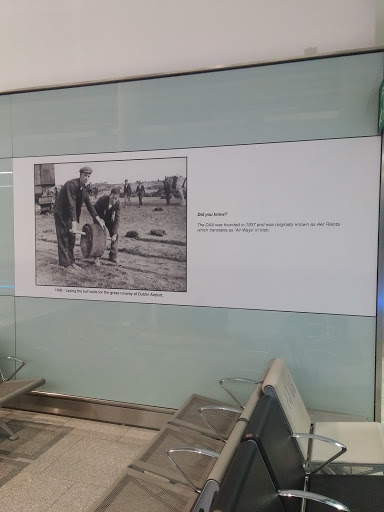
[(51, 455), (21, 415), (50, 418), (78, 498), (34, 416), (9, 468), (96, 429), (139, 436), (28, 492), (93, 461), (34, 440)]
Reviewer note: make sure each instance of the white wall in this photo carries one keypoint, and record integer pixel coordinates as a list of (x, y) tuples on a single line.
[(48, 42)]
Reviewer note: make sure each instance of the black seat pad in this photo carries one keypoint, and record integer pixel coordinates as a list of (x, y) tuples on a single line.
[(361, 493)]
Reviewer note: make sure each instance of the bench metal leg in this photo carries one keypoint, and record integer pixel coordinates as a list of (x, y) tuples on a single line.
[(11, 435)]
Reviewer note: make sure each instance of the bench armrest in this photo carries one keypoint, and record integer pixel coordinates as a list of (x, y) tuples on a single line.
[(235, 379), (10, 358), (314, 497), (316, 437), (189, 449), (202, 410)]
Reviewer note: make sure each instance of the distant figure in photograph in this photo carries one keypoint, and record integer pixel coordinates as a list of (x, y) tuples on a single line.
[(140, 190), (67, 210), (108, 209), (127, 192), (167, 190)]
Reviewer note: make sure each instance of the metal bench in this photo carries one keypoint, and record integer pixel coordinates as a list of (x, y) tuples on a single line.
[(11, 388)]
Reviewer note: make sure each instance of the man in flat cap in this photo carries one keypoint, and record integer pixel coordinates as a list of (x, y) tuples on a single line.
[(67, 211), (108, 208)]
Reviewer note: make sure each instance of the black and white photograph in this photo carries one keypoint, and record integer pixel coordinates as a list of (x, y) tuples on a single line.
[(123, 227), (117, 224)]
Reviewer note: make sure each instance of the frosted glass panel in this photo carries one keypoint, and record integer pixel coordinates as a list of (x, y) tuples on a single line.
[(159, 355), (295, 101), (5, 127), (6, 228), (7, 326), (81, 120)]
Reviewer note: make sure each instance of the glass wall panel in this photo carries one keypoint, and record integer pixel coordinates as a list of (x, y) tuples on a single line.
[(6, 228), (295, 101), (7, 326), (5, 127), (159, 355)]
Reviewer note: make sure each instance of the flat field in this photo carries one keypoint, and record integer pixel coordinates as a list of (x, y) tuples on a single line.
[(145, 263)]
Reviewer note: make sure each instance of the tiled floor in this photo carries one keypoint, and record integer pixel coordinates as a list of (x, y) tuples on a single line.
[(80, 462)]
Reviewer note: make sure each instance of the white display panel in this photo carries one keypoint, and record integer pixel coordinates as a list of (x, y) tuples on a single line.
[(286, 227)]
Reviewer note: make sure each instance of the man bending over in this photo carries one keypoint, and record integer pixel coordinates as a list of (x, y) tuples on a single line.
[(108, 209)]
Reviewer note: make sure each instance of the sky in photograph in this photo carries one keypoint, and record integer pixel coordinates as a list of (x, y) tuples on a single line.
[(116, 171)]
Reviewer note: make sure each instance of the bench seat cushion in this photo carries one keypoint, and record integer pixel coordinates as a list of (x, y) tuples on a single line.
[(361, 493), (364, 442)]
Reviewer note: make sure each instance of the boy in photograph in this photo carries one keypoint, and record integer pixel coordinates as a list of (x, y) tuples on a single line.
[(67, 210), (140, 192), (167, 190), (127, 192), (108, 208)]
